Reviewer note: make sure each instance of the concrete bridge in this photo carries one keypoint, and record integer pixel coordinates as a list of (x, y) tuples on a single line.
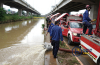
[(76, 5), (20, 5)]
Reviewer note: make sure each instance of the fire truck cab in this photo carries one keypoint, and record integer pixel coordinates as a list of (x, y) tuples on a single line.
[(71, 26)]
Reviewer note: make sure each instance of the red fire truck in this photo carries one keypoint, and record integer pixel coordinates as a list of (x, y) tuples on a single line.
[(93, 42), (71, 26), (53, 17)]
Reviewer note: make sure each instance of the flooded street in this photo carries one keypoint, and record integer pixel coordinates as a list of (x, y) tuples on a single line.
[(21, 43)]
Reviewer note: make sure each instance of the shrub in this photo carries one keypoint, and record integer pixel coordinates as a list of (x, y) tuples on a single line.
[(43, 25), (2, 14)]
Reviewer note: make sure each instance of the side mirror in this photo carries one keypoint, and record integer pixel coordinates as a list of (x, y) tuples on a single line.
[(66, 26)]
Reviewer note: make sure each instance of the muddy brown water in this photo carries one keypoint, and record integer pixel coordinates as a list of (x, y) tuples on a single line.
[(21, 43)]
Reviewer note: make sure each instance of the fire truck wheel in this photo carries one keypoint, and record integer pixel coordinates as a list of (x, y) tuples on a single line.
[(98, 62), (69, 40)]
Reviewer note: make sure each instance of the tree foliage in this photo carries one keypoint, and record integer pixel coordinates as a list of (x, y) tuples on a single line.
[(2, 14)]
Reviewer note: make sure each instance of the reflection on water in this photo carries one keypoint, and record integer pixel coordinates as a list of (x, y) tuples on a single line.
[(16, 26), (34, 36), (24, 23), (21, 43), (8, 29), (17, 32), (29, 21)]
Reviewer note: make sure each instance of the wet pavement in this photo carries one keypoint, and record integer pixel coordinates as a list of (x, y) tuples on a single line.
[(49, 59), (21, 43), (85, 59)]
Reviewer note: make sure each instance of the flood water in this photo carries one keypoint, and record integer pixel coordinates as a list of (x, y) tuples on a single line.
[(21, 43)]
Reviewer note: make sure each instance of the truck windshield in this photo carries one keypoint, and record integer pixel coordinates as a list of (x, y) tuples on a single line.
[(75, 25)]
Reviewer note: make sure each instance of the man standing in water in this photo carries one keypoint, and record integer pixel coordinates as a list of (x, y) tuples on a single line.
[(55, 35), (86, 20)]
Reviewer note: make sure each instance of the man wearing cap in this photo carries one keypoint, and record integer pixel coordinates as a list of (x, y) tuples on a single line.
[(86, 20), (55, 36)]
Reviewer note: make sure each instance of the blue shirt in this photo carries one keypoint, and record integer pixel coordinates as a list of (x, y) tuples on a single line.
[(50, 27), (86, 16), (56, 33)]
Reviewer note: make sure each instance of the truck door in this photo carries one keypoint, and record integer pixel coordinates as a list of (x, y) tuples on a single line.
[(62, 27), (65, 30)]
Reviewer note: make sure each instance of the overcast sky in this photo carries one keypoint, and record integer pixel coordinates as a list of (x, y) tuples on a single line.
[(43, 6)]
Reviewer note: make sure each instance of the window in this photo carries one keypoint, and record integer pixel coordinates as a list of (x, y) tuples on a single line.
[(76, 25)]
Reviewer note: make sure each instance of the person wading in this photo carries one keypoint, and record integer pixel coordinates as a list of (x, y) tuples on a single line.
[(55, 36), (86, 20)]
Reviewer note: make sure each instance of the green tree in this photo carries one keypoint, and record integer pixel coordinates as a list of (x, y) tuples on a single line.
[(2, 14)]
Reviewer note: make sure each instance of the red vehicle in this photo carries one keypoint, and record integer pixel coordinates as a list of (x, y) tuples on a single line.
[(71, 26), (53, 17), (93, 42)]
